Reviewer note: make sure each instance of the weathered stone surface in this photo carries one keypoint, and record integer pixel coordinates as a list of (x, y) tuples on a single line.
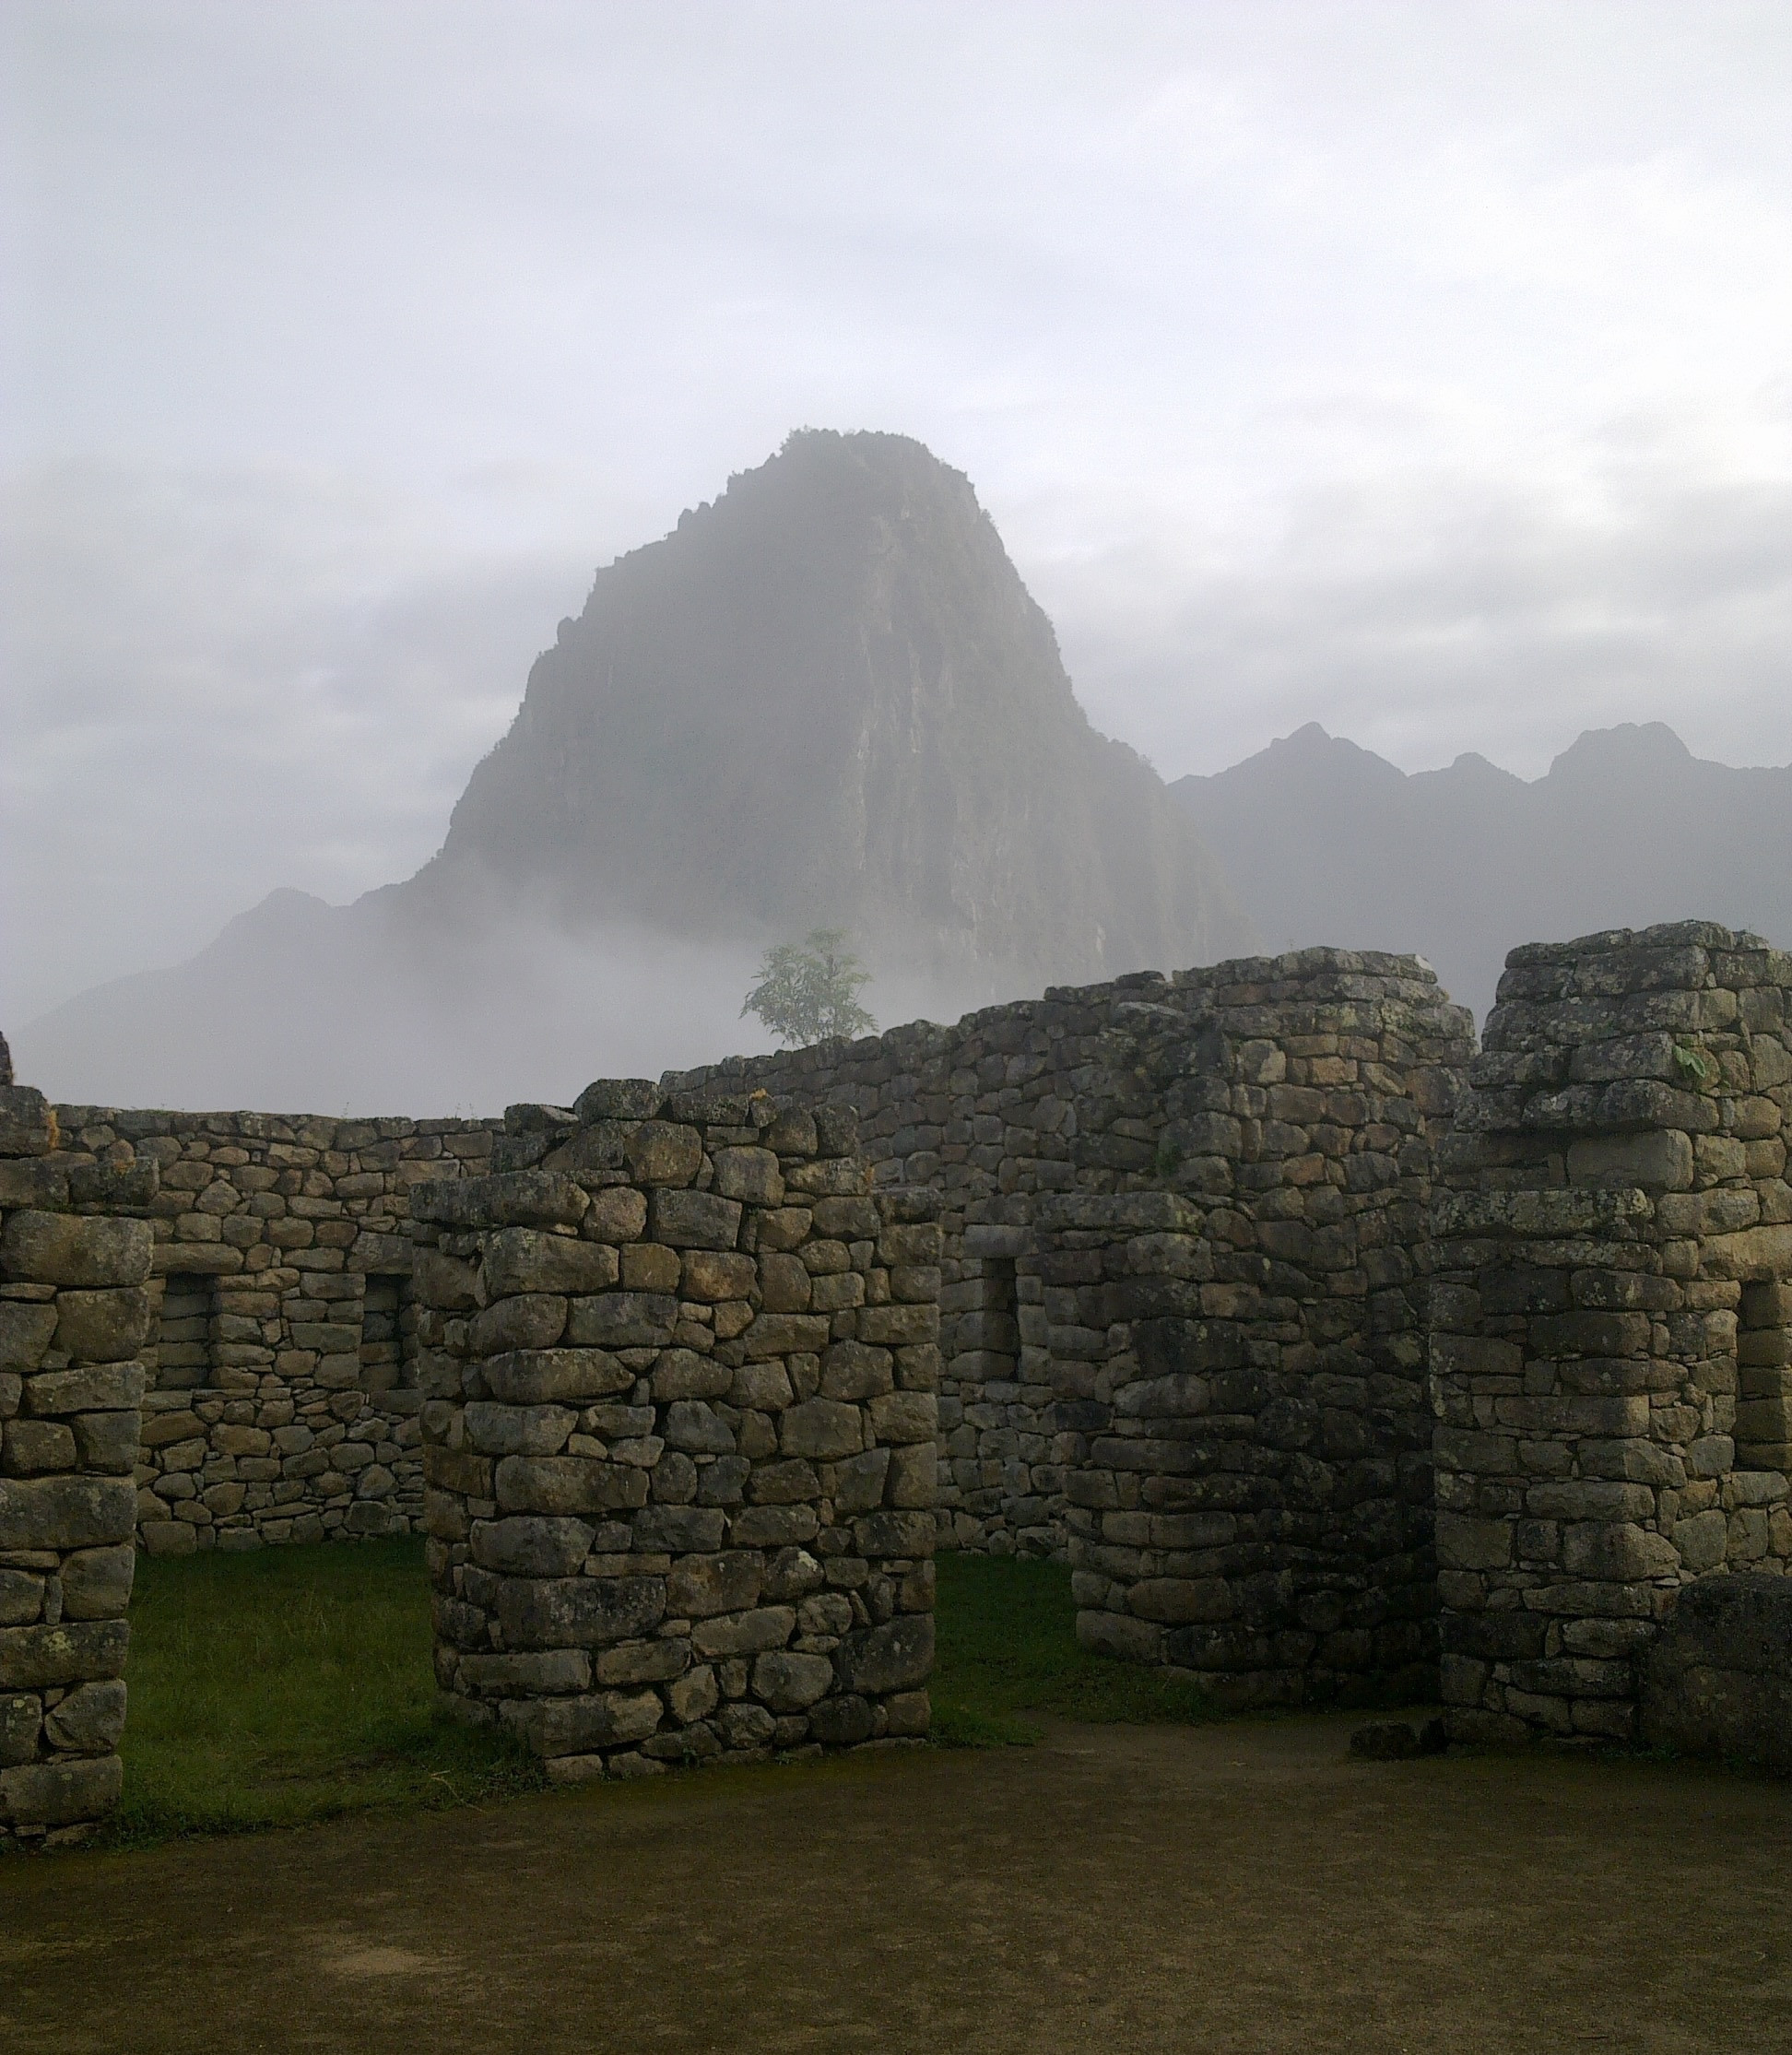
[(25, 1334), (664, 1153), (21, 1720), (749, 1174), (578, 1612), (623, 1320), (518, 1198), (617, 1099), (536, 1670), (90, 1720), (744, 1634), (1718, 1679), (102, 1327), (568, 1485), (821, 1429), (60, 1793), (64, 1249), (702, 1585), (680, 1530), (96, 1582), (790, 1683), (537, 1546), (894, 1656), (68, 1653), (534, 1321), (509, 1430), (523, 1259), (693, 1220), (541, 1377), (711, 1276), (68, 1512)]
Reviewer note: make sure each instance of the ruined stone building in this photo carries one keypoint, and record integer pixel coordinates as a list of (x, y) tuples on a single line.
[(1344, 1363)]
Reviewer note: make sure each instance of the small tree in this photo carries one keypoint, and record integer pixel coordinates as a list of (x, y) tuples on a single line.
[(807, 992)]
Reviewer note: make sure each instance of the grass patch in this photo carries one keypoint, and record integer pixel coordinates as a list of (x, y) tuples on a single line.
[(1007, 1647), (291, 1684)]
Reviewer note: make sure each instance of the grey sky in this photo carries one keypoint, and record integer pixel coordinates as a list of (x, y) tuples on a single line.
[(1423, 370)]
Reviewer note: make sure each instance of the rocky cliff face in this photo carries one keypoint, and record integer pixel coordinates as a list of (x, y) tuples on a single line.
[(827, 698)]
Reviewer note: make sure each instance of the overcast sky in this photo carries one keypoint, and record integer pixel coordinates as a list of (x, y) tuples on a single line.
[(1422, 370)]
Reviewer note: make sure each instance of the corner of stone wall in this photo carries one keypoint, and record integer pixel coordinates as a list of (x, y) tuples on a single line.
[(1243, 1354), (72, 1309), (680, 1368), (1612, 1328)]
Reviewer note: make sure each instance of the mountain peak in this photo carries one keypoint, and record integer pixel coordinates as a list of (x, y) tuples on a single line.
[(826, 698), (1628, 747)]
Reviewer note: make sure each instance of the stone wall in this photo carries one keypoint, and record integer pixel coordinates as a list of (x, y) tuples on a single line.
[(1183, 1299), (1250, 1496), (679, 1434), (279, 1403), (1610, 1319), (72, 1308)]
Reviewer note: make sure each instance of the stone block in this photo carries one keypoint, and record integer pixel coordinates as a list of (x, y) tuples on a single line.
[(749, 1174), (788, 1682), (744, 1634), (70, 1652), (623, 1320), (66, 1249), (578, 1612), (532, 1545), (821, 1429), (60, 1793), (535, 1320), (25, 1334), (700, 1586), (665, 1154), (524, 1260), (90, 1719), (567, 1486), (538, 1377), (66, 1512), (1718, 1679)]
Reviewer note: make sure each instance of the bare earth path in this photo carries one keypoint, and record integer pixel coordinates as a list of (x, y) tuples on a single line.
[(1233, 1889)]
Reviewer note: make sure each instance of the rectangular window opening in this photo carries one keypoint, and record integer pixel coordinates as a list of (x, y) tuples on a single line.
[(1763, 1411), (180, 1334), (383, 1340), (1000, 1329)]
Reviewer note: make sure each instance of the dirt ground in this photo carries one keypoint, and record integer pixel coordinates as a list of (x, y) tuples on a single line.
[(1235, 1888)]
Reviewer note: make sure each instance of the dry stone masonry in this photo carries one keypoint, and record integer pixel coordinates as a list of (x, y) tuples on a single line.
[(279, 1403), (73, 1312), (1183, 1300), (1318, 1344), (680, 1377), (1611, 1338)]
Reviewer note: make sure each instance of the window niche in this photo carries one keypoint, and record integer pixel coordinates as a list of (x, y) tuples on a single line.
[(1764, 1412), (383, 1340), (179, 1345)]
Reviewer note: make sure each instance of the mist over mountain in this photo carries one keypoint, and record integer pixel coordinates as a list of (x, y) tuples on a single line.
[(1325, 842), (825, 698)]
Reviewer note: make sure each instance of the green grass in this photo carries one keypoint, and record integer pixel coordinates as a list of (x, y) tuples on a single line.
[(1007, 1647), (291, 1684), (295, 1684)]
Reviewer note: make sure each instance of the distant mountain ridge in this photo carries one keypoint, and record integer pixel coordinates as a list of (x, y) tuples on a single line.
[(1325, 842)]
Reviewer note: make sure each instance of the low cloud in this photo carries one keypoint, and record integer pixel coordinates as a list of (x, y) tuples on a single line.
[(1453, 614), (221, 683)]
